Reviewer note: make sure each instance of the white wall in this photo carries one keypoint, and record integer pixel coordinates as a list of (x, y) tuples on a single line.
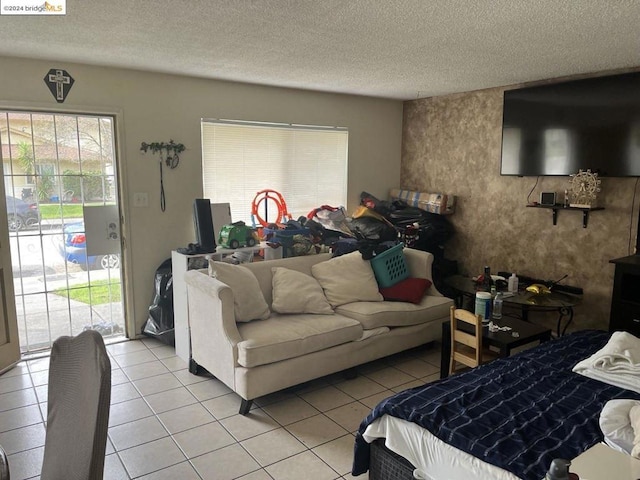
[(159, 107)]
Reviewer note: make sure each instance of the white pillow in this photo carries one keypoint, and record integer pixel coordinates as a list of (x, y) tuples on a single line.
[(297, 292), (248, 300), (615, 423), (347, 279)]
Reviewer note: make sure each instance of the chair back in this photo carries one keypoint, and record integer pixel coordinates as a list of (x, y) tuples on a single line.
[(4, 465), (466, 348), (78, 408)]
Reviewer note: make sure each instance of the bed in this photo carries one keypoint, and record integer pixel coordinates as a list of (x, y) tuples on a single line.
[(505, 420)]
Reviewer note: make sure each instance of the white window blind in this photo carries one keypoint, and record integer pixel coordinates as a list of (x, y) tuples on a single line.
[(307, 165)]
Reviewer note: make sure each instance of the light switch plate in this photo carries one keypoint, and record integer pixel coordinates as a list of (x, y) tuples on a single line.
[(141, 199)]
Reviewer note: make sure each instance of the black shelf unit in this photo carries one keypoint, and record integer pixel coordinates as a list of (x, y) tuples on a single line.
[(625, 302), (585, 211)]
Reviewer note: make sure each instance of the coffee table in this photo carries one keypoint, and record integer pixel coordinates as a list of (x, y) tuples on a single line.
[(560, 302), (503, 340)]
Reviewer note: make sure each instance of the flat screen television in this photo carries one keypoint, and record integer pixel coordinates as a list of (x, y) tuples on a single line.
[(557, 129)]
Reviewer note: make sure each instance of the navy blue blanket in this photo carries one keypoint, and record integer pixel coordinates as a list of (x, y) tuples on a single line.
[(516, 413)]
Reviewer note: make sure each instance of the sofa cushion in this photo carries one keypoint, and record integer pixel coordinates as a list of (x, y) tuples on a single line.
[(288, 336), (297, 292), (397, 314), (407, 290), (248, 301), (347, 279)]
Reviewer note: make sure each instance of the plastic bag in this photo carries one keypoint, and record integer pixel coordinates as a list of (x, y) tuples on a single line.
[(160, 323)]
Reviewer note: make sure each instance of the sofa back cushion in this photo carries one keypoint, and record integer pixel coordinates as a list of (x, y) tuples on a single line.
[(347, 279), (248, 300), (297, 292), (262, 270)]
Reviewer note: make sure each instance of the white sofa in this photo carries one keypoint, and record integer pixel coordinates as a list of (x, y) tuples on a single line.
[(259, 357)]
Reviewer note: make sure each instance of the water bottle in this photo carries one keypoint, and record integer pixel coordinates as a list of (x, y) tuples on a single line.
[(210, 267), (497, 306)]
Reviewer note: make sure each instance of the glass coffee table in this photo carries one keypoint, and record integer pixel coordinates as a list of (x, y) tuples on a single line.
[(526, 302)]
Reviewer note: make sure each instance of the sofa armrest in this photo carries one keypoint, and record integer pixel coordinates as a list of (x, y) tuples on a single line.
[(420, 265), (214, 335)]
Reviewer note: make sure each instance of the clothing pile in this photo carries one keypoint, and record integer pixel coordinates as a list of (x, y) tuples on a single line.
[(375, 226)]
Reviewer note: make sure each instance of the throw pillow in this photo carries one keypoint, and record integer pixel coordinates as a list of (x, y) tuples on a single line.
[(347, 279), (297, 292), (408, 290), (248, 300)]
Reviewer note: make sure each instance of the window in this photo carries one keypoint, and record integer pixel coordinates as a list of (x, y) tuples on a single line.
[(306, 164)]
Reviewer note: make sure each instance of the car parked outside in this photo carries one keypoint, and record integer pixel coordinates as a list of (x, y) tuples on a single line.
[(74, 249), (21, 214)]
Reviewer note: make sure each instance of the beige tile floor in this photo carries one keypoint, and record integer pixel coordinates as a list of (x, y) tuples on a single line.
[(166, 423)]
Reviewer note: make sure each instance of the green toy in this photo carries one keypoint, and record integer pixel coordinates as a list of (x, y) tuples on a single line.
[(236, 235)]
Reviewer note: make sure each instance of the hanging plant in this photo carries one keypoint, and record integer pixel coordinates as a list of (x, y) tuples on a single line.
[(169, 152)]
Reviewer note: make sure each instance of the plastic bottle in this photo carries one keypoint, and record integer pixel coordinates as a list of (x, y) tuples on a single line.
[(211, 269), (483, 306), (497, 306), (513, 283)]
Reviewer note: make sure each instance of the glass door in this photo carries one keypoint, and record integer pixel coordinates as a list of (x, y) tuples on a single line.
[(55, 166)]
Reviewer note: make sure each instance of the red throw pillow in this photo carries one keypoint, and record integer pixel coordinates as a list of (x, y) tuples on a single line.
[(408, 290)]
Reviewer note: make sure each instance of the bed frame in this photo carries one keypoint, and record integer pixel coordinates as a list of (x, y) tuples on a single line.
[(388, 465)]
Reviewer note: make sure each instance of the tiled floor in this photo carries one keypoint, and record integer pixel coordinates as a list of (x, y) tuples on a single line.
[(166, 423)]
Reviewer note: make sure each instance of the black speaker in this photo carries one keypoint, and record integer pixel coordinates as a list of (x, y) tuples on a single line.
[(203, 223)]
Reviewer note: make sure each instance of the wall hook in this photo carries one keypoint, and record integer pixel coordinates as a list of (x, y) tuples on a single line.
[(169, 154)]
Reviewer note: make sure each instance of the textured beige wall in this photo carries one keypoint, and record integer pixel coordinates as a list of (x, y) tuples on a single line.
[(453, 144)]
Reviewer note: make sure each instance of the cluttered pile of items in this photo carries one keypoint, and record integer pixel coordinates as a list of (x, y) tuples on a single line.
[(375, 226)]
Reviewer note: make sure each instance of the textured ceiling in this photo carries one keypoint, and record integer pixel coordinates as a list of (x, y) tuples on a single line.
[(402, 49)]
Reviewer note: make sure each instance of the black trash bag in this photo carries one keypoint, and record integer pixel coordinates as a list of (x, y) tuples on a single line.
[(372, 229), (433, 229), (325, 235), (160, 324), (370, 233), (383, 207)]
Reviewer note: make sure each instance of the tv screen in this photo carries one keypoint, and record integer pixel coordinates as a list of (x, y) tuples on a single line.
[(559, 128)]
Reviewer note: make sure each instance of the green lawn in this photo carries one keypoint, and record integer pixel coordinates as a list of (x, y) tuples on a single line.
[(101, 291), (56, 211)]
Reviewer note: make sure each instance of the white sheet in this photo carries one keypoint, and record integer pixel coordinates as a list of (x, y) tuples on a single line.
[(433, 458), (617, 363), (615, 423)]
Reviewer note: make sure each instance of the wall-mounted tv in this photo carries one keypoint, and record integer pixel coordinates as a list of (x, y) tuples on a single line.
[(557, 129)]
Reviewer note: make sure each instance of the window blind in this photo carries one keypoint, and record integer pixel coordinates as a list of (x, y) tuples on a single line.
[(306, 164)]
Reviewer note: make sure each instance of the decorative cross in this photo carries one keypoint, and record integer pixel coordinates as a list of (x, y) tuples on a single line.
[(59, 82)]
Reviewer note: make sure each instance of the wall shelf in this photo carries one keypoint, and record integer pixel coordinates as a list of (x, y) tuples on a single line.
[(558, 206)]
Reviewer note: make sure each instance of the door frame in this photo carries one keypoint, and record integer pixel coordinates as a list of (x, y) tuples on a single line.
[(10, 351), (123, 204)]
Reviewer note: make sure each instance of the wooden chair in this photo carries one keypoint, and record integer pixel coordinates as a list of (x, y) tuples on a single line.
[(466, 348)]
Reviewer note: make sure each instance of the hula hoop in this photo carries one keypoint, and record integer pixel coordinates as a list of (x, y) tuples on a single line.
[(264, 196)]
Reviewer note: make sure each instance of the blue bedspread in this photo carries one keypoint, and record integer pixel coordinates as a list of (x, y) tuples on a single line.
[(517, 413)]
